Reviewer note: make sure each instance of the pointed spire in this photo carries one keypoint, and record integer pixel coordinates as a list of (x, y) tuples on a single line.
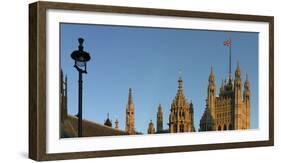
[(179, 99), (130, 100), (212, 75), (159, 119), (191, 106), (159, 108), (237, 71), (247, 83)]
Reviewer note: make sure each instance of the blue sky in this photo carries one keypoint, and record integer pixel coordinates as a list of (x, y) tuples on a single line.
[(148, 60)]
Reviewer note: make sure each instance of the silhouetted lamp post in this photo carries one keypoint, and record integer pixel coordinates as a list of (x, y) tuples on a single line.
[(81, 58)]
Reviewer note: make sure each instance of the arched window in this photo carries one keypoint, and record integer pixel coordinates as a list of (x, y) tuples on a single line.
[(224, 127), (219, 128)]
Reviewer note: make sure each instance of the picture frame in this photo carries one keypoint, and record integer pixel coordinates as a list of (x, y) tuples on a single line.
[(39, 23)]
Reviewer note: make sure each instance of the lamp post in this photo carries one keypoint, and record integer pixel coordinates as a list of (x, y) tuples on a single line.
[(80, 58)]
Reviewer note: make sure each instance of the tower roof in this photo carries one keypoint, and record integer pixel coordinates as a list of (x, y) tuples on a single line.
[(130, 105), (107, 121), (179, 99), (191, 107)]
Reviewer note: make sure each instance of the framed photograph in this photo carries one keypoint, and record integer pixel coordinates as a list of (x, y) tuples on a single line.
[(112, 81)]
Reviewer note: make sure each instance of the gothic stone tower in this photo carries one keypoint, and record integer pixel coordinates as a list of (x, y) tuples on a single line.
[(159, 119), (207, 120), (230, 110), (181, 115), (130, 116)]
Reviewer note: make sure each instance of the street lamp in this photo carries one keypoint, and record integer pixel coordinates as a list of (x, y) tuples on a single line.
[(81, 58)]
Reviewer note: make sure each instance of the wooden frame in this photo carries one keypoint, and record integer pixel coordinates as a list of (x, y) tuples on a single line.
[(37, 79)]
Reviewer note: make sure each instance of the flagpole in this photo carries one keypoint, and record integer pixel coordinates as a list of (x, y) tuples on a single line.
[(230, 58)]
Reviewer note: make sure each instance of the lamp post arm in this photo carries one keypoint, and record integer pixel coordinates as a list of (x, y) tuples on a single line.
[(80, 70)]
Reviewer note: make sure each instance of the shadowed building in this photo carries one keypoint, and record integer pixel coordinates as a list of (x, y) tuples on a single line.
[(69, 123), (231, 109)]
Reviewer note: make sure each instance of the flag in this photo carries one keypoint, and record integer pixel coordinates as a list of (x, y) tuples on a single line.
[(227, 43)]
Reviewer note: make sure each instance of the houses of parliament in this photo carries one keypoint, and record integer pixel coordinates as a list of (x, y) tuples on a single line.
[(226, 109)]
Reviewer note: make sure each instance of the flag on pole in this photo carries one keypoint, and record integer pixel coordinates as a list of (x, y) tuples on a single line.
[(227, 43)]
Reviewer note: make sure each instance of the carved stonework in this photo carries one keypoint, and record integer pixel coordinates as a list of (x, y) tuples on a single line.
[(181, 115), (231, 109)]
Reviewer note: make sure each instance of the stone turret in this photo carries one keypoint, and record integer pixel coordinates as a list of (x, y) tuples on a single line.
[(211, 99), (246, 100), (151, 129), (238, 108), (159, 118)]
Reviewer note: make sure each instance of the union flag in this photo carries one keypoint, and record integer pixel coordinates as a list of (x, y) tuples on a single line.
[(227, 43)]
